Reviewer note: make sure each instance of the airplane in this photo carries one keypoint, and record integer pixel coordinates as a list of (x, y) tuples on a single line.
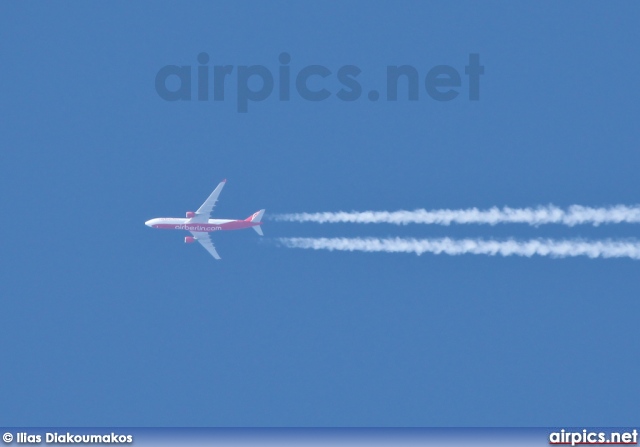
[(200, 224)]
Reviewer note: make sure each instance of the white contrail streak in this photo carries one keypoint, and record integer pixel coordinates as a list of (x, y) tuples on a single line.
[(574, 215), (540, 247)]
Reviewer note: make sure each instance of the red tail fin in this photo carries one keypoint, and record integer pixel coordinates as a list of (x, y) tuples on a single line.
[(255, 217)]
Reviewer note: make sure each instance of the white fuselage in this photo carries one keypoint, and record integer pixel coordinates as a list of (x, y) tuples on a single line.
[(181, 223)]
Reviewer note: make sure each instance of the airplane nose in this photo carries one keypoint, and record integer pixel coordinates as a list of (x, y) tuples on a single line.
[(148, 223)]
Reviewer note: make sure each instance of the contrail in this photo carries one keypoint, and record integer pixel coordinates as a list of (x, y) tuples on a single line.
[(574, 215), (541, 247)]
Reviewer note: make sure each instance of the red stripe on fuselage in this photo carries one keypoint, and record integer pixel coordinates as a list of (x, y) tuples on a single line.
[(207, 227)]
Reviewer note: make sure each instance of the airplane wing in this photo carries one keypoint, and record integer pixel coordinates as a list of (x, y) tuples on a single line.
[(204, 212), (205, 241)]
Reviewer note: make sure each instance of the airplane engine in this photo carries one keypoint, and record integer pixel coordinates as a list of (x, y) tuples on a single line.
[(190, 214), (189, 240)]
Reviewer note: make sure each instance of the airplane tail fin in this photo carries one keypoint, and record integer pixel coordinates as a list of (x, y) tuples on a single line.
[(256, 217)]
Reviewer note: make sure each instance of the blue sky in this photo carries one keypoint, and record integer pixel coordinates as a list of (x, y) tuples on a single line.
[(107, 322)]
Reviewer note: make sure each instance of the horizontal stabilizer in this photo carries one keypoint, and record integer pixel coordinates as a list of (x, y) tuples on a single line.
[(256, 217)]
